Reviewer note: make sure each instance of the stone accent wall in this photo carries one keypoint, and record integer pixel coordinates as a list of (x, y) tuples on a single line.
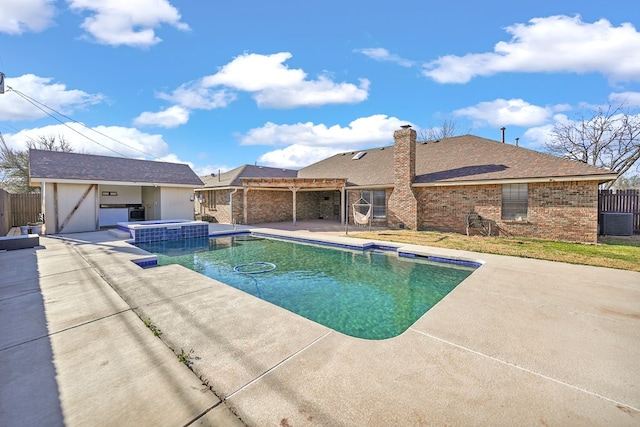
[(566, 211), (402, 209)]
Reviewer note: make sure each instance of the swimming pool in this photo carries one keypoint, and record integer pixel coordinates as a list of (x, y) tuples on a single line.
[(370, 294)]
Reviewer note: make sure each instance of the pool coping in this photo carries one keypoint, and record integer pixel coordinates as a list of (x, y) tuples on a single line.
[(499, 349), (402, 250)]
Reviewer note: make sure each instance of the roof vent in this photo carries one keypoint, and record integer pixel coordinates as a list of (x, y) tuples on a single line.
[(358, 155)]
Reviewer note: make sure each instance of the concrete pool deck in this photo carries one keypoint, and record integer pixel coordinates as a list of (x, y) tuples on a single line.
[(520, 342)]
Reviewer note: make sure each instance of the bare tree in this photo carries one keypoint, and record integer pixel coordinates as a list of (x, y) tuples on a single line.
[(608, 137), (14, 164), (627, 182), (446, 130)]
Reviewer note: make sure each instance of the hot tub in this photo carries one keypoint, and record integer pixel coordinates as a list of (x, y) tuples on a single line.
[(157, 231)]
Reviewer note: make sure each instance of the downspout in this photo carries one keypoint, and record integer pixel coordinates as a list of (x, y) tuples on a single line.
[(43, 204), (233, 222)]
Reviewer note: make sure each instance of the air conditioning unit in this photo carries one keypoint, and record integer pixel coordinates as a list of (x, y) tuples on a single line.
[(617, 224)]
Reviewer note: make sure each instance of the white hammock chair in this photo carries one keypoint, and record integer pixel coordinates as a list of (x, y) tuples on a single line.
[(360, 218)]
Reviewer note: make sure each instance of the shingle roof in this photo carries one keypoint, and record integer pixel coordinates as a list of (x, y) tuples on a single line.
[(233, 178), (53, 165), (462, 158)]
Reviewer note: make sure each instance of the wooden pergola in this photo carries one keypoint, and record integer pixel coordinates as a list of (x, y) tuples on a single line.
[(294, 185)]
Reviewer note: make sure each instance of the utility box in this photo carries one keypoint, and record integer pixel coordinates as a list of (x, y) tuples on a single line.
[(617, 224)]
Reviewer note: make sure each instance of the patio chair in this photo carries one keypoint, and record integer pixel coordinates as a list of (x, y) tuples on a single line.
[(475, 222)]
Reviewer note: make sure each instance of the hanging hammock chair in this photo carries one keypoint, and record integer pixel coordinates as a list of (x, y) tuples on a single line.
[(358, 217)]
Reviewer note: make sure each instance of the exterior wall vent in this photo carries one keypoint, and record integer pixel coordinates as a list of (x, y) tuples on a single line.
[(358, 155), (617, 224)]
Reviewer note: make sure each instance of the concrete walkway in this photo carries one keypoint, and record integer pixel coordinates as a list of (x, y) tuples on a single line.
[(520, 342)]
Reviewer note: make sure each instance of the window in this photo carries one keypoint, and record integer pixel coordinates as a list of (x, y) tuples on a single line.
[(514, 201), (378, 198)]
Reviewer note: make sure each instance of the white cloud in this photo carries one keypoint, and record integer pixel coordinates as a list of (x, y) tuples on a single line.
[(252, 72), (169, 118), (383, 55), (313, 94), (296, 156), (552, 44), (187, 97), (536, 137), (632, 99), (306, 143), (194, 95), (271, 82), (129, 23), (102, 140), (275, 85), (504, 112), (372, 130), (42, 92), (209, 169), (20, 16)]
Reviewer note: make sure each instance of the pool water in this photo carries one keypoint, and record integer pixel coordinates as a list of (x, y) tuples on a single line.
[(365, 294)]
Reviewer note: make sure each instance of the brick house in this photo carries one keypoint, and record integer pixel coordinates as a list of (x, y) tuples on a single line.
[(431, 185)]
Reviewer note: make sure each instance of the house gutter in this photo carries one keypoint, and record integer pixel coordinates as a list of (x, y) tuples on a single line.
[(599, 178)]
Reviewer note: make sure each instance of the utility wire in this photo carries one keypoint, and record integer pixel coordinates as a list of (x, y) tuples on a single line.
[(39, 105)]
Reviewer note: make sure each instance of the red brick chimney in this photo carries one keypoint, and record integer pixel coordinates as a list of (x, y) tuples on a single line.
[(403, 207)]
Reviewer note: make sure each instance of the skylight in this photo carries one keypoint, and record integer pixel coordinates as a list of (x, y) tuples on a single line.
[(358, 155)]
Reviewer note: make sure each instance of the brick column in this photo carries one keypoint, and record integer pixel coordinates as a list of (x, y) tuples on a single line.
[(402, 210)]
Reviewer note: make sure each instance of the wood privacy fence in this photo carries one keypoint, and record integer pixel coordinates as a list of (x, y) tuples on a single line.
[(17, 210), (627, 201)]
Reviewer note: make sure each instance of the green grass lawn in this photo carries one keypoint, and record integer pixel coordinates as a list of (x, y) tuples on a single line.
[(613, 252)]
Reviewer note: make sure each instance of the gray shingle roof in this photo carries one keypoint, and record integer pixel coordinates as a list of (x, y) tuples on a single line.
[(53, 165), (233, 178), (462, 158)]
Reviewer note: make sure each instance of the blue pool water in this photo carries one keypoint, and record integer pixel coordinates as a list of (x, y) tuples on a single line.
[(365, 294)]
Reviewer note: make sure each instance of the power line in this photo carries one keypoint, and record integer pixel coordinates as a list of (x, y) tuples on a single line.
[(39, 105)]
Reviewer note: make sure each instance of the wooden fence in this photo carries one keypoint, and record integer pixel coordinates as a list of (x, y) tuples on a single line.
[(18, 209), (627, 201)]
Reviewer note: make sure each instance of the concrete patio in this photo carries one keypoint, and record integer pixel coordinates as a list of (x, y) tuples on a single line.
[(520, 342)]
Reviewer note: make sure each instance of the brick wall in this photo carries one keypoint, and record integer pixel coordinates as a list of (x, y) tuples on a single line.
[(269, 206), (318, 205), (402, 209), (216, 205), (556, 211)]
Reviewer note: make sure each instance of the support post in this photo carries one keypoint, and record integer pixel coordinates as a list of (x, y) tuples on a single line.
[(294, 190)]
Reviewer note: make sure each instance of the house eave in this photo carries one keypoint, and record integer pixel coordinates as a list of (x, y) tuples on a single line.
[(599, 178), (223, 187), (37, 182)]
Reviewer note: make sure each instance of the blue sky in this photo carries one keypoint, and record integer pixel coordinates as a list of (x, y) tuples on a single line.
[(287, 83)]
